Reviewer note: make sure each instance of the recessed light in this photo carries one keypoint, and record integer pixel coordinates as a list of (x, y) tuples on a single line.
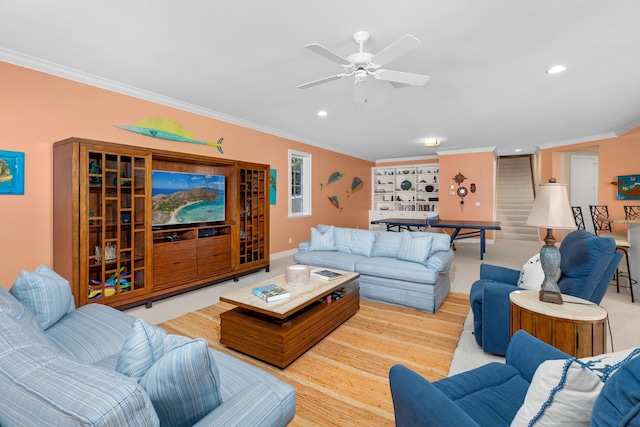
[(322, 113), (517, 150), (432, 142), (556, 69)]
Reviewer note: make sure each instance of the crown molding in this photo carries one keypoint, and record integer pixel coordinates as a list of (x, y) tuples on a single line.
[(467, 151), (596, 137), (51, 68), (406, 159)]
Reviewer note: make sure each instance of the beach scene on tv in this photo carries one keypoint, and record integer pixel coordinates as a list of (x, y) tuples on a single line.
[(183, 198)]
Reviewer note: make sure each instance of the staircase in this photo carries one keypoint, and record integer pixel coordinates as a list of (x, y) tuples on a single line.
[(515, 198)]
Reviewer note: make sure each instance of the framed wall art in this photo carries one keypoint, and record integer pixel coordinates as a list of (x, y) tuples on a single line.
[(11, 172), (628, 187)]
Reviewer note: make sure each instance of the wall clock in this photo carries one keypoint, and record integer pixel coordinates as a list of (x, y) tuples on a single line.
[(462, 191)]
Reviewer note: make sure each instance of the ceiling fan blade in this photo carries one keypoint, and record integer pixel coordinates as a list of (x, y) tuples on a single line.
[(324, 80), (360, 92), (401, 77), (401, 46), (323, 51)]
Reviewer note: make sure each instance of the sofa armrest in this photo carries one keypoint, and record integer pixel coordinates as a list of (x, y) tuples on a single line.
[(417, 402), (304, 246), (255, 405), (441, 261), (526, 353), (499, 274)]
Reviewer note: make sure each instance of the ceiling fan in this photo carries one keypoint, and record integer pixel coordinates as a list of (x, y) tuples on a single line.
[(363, 64)]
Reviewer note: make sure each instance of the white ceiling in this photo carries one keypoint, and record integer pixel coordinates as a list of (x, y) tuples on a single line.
[(242, 60)]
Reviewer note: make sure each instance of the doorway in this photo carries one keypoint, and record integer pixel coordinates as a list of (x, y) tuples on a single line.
[(584, 184)]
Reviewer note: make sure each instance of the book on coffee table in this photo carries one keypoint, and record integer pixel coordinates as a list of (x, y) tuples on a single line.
[(271, 292), (324, 274)]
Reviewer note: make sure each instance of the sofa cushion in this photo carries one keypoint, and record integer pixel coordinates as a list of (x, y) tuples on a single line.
[(362, 242), (182, 385), (329, 259), (497, 407), (386, 244), (415, 247), (143, 347), (322, 240), (396, 269), (342, 238), (101, 334), (45, 388), (45, 293), (10, 306)]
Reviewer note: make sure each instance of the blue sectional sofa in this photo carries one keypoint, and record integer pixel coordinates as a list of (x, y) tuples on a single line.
[(409, 269), (97, 366), (538, 385)]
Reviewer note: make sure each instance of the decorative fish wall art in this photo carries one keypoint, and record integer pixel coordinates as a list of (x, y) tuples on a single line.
[(169, 129), (335, 202), (333, 178), (356, 185)]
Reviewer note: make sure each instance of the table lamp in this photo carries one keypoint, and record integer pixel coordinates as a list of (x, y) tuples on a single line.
[(551, 209)]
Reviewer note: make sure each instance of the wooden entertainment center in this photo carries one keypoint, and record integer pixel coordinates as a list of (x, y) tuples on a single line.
[(106, 245)]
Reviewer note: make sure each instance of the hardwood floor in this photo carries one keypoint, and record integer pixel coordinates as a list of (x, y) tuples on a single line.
[(343, 380)]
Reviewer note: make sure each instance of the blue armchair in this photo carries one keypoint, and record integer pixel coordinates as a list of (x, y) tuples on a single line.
[(492, 394), (588, 263), (486, 396)]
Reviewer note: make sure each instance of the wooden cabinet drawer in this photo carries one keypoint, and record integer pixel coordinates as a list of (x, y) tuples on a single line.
[(171, 257), (214, 245), (170, 247), (214, 264), (176, 271)]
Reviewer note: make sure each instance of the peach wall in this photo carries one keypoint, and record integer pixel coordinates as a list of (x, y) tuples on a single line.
[(39, 109), (616, 156), (479, 168)]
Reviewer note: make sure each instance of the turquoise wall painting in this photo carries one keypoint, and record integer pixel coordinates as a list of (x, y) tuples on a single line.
[(169, 129), (11, 172), (273, 175), (628, 187)]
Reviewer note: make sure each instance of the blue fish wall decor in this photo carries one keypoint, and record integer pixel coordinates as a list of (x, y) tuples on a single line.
[(333, 178), (356, 185)]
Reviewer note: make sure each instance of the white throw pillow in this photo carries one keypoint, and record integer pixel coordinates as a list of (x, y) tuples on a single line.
[(563, 392), (531, 275)]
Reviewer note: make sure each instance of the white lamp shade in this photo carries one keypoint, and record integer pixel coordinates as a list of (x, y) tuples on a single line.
[(551, 208)]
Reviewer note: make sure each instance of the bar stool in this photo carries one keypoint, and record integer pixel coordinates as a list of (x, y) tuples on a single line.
[(632, 212), (578, 218), (622, 242)]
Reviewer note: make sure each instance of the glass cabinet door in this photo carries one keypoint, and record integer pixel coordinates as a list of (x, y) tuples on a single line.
[(114, 207)]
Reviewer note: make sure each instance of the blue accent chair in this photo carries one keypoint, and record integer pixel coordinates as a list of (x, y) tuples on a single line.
[(588, 263), (492, 394)]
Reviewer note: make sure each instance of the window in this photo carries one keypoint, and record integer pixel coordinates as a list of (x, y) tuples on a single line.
[(299, 184)]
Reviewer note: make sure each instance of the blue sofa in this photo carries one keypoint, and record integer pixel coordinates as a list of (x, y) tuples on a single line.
[(408, 269), (588, 263), (64, 366), (491, 395)]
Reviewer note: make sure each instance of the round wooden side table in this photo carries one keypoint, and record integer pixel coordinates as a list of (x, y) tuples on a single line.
[(576, 327)]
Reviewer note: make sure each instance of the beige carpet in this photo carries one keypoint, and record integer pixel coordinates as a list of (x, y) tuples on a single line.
[(343, 380)]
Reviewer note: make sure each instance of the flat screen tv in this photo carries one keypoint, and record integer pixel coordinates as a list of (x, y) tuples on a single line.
[(186, 198)]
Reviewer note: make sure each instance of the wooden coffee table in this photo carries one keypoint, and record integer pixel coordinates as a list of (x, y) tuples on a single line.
[(279, 332)]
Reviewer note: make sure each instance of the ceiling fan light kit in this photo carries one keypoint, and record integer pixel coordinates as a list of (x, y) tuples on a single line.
[(362, 64)]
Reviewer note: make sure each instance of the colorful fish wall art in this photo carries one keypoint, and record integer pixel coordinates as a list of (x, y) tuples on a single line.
[(335, 202), (169, 129), (333, 178), (356, 185), (628, 187)]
